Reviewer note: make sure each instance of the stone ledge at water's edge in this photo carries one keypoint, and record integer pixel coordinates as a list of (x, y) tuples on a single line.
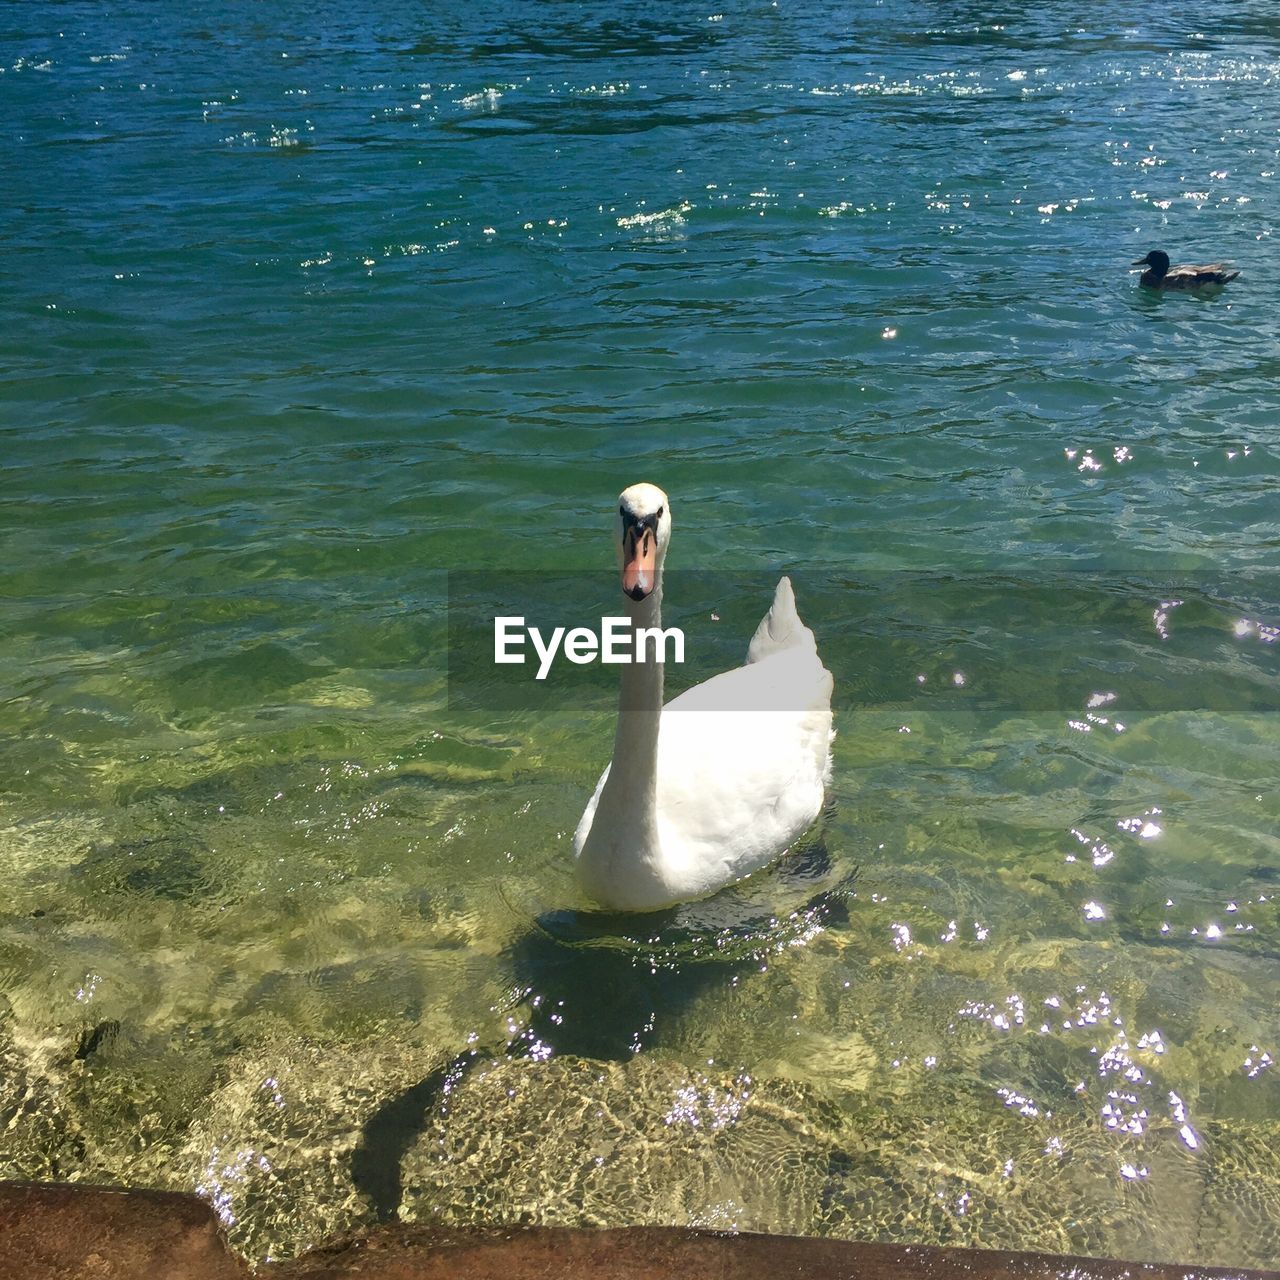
[(62, 1232)]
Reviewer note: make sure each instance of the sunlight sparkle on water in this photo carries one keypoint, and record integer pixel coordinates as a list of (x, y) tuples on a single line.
[(709, 1107)]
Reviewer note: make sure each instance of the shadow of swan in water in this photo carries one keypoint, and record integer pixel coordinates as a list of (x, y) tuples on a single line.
[(603, 985)]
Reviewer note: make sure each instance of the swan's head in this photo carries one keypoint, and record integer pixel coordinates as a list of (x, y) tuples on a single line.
[(644, 530)]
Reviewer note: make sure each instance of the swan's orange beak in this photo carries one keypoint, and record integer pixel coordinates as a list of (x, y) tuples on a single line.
[(639, 562)]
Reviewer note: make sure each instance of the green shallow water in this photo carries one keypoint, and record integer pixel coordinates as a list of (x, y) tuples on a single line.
[(305, 314)]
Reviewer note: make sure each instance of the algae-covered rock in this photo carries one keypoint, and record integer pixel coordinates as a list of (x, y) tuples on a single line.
[(133, 1101), (1241, 1211), (577, 1142), (42, 1140), (273, 1147), (965, 1165)]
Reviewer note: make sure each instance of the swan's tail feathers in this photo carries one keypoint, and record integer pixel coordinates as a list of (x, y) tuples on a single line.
[(781, 627)]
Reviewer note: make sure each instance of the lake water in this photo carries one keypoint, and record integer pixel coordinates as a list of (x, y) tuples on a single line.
[(301, 310)]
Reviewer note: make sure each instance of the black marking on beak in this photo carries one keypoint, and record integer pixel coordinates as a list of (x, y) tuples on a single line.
[(636, 525)]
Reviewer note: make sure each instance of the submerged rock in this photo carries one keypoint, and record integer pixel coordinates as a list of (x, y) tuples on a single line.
[(273, 1149), (578, 1142), (41, 1138)]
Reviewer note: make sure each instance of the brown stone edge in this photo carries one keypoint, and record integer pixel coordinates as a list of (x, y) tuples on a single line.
[(67, 1232)]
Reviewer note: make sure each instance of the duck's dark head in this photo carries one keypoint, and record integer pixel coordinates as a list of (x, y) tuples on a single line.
[(1157, 260)]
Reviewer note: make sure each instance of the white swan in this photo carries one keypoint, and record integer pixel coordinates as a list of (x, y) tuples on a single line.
[(722, 780)]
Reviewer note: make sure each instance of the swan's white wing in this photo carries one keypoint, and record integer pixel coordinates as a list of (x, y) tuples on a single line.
[(743, 763)]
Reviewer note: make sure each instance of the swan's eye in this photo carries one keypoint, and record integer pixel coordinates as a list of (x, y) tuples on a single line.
[(660, 511), (622, 511)]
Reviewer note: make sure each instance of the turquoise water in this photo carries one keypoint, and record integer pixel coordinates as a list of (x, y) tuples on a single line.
[(300, 311)]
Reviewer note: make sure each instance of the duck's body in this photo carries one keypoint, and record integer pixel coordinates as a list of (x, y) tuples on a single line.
[(721, 781), (1160, 275)]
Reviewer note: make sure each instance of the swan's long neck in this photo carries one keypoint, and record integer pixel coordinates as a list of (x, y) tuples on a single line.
[(627, 811), (640, 695)]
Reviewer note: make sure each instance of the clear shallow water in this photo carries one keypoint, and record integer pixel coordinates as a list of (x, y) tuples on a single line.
[(301, 313)]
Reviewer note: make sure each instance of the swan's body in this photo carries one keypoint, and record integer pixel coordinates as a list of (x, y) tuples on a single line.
[(1160, 275), (722, 780)]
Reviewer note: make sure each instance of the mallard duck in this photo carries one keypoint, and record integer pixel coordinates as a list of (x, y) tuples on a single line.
[(1160, 275), (723, 779)]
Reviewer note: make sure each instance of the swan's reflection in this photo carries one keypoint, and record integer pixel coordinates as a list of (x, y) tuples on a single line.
[(604, 984)]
